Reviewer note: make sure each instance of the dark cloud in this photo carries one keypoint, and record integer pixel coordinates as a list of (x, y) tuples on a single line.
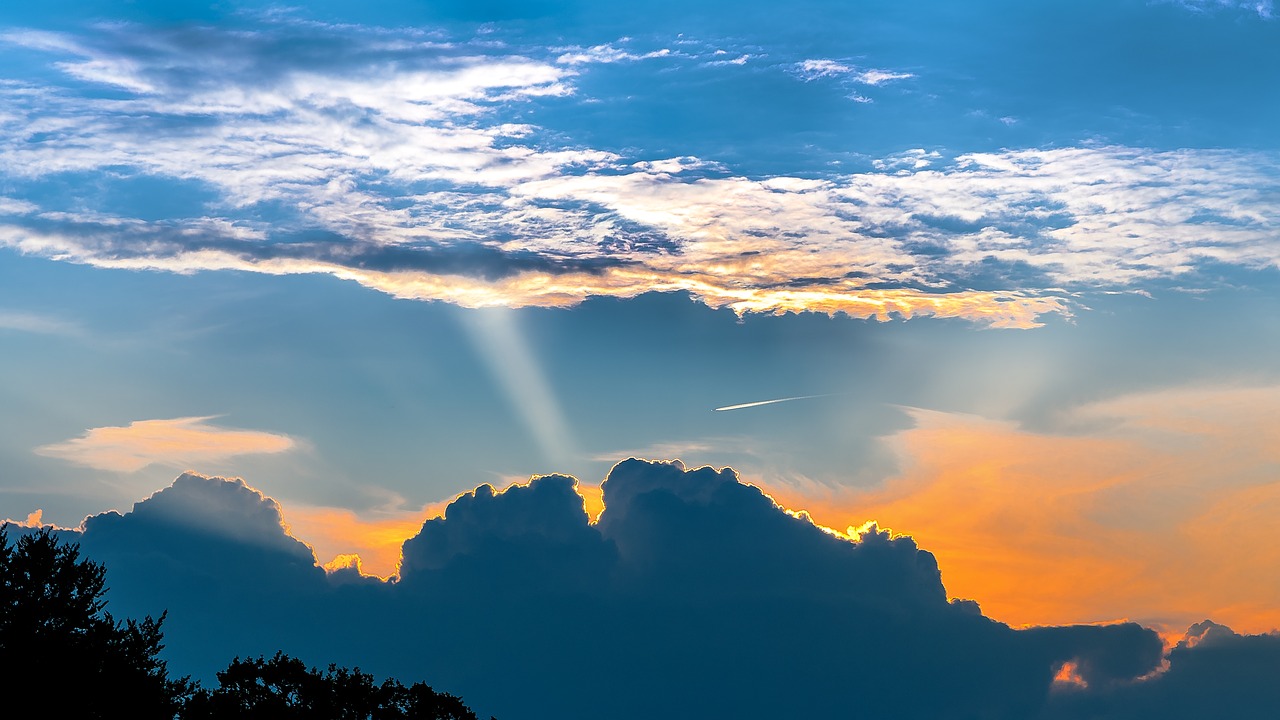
[(528, 539), (168, 242), (1212, 672), (473, 260), (694, 596), (216, 553)]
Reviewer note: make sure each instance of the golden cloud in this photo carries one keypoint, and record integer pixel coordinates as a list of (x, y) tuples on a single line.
[(179, 442)]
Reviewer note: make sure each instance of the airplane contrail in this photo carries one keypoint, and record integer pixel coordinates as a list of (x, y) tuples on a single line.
[(770, 402)]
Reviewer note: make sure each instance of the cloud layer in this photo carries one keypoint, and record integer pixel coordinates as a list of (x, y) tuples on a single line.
[(694, 594), (405, 160)]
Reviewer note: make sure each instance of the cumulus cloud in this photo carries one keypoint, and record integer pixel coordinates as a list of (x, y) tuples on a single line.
[(178, 442), (1211, 672), (224, 508), (404, 161), (692, 582)]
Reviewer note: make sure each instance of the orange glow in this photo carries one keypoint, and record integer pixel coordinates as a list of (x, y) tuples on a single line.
[(592, 499), (345, 562), (371, 544), (34, 520), (1147, 519), (1069, 676), (751, 289)]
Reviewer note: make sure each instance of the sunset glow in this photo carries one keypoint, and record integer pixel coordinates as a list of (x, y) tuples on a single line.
[(730, 359)]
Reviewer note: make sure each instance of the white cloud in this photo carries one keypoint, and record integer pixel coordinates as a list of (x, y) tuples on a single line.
[(821, 68), (1263, 8), (605, 54), (400, 162), (814, 69), (879, 77)]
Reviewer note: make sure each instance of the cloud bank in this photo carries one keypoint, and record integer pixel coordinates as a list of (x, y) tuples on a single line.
[(693, 595), (407, 161)]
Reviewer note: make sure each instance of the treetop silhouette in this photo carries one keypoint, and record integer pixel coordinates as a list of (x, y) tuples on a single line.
[(63, 650)]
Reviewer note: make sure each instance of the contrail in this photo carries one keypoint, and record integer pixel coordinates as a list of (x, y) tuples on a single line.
[(770, 402)]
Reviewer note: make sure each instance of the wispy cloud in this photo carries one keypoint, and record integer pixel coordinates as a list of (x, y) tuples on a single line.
[(676, 450), (37, 323), (606, 54), (1263, 8), (401, 160), (180, 442), (822, 68)]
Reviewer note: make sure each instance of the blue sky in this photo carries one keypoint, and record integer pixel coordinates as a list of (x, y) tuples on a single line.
[(368, 258)]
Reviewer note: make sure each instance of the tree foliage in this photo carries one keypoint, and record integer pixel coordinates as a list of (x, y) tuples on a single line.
[(285, 688), (62, 649)]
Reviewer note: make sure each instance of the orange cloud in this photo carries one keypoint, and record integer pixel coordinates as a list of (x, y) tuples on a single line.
[(369, 543), (1165, 513), (180, 442), (35, 519), (720, 286)]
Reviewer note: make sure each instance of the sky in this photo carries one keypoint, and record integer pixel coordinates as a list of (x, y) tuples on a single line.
[(1014, 269)]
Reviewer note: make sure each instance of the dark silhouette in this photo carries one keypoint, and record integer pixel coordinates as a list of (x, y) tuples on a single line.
[(63, 650), (691, 582), (283, 688)]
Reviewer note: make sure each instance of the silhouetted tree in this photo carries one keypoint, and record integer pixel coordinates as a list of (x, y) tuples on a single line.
[(284, 688), (62, 651)]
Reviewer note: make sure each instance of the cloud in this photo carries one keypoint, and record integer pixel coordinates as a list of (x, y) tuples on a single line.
[(691, 581), (179, 442), (226, 509), (879, 77), (606, 54), (405, 161), (34, 519), (816, 69), (37, 323), (1212, 671), (1262, 8), (1128, 511)]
